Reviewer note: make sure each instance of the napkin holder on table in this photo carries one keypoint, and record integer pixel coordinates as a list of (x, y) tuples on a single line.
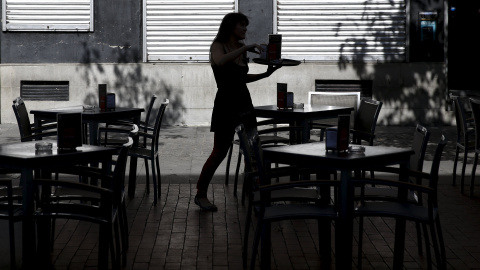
[(284, 98), (337, 138)]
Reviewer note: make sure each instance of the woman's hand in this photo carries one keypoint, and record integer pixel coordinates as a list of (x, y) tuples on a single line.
[(271, 69), (251, 48)]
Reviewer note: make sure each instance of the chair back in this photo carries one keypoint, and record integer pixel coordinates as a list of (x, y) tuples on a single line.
[(366, 120), (118, 185), (419, 145), (436, 163), (461, 107), (149, 111), (475, 105), (252, 149), (23, 120), (158, 124), (343, 99)]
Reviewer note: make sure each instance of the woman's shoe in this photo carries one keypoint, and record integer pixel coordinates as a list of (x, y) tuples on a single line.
[(205, 204)]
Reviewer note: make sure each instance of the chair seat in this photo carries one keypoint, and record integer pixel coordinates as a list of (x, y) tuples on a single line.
[(140, 152), (381, 193), (297, 194), (298, 211), (394, 209)]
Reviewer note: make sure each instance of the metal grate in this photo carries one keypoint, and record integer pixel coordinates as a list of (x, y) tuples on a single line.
[(45, 90), (362, 86)]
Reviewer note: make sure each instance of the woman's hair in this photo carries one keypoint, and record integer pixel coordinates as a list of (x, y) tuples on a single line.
[(229, 22)]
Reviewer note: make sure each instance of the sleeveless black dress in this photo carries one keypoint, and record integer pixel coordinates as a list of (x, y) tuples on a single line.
[(233, 103)]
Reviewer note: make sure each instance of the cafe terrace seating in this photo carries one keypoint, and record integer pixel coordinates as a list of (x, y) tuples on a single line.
[(320, 209), (475, 105), (465, 136), (103, 205), (427, 214)]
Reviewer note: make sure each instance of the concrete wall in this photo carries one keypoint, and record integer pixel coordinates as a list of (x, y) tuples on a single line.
[(411, 92)]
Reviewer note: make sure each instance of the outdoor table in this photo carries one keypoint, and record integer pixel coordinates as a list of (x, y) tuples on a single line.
[(314, 155), (301, 116), (93, 118), (22, 156)]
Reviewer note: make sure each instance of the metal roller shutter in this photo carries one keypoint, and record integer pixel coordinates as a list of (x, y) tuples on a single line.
[(332, 30), (47, 15), (182, 30)]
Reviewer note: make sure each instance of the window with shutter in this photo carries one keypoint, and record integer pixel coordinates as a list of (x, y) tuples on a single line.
[(332, 30), (182, 30), (47, 15)]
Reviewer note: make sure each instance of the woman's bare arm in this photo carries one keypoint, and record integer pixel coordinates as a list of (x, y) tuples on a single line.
[(220, 58)]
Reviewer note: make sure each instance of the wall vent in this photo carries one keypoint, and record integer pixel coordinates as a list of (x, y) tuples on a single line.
[(45, 90), (362, 86)]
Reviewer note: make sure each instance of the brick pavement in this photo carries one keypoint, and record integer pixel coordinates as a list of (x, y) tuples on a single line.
[(176, 235)]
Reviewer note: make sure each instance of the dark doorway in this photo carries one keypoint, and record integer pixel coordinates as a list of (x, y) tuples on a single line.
[(463, 53)]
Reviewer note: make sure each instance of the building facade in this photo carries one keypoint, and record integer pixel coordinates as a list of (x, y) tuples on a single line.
[(55, 54)]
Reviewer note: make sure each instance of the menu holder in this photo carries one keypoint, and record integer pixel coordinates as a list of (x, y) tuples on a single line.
[(274, 47), (102, 96), (69, 131), (284, 98), (343, 135)]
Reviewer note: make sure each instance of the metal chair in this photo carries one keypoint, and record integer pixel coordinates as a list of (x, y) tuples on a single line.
[(269, 132), (103, 205), (475, 105), (148, 150), (465, 136), (313, 206), (345, 99), (381, 193), (143, 125), (27, 130), (426, 214)]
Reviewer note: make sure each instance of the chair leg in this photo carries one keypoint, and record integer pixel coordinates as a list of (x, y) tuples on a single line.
[(237, 171), (443, 264), (427, 246), (360, 242), (472, 180), (154, 180), (229, 158), (419, 238), (123, 231), (159, 177), (464, 165), (248, 221), (457, 152), (256, 240), (13, 263), (147, 175)]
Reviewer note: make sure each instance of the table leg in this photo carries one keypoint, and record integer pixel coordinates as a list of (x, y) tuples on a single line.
[(28, 225), (344, 224)]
